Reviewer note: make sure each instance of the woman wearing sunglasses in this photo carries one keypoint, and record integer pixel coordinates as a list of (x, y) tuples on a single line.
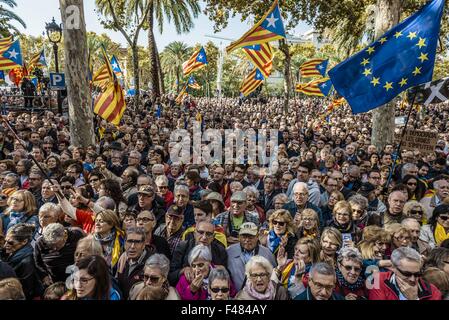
[(281, 233), (434, 233), (350, 279), (414, 209), (219, 284)]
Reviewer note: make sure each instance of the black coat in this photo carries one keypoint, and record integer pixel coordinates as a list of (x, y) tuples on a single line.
[(181, 254), (22, 262)]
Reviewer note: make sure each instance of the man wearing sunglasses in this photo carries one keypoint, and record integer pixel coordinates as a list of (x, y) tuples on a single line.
[(405, 282)]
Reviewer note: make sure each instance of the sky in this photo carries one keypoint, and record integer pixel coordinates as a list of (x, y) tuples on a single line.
[(35, 15)]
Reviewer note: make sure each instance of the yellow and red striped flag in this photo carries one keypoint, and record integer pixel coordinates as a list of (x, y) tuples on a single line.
[(269, 28), (10, 54), (37, 61), (101, 78), (254, 80), (195, 62), (319, 87), (260, 55), (110, 105), (315, 67), (182, 94)]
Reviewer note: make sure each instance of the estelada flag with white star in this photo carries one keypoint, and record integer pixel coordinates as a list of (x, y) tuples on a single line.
[(319, 87), (254, 79), (10, 54), (314, 67), (402, 58), (116, 66), (269, 28), (195, 62)]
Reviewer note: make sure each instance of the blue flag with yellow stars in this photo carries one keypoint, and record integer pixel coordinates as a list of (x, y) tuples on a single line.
[(402, 58)]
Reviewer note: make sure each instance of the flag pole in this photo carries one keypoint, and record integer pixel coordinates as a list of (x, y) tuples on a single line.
[(31, 156), (404, 131)]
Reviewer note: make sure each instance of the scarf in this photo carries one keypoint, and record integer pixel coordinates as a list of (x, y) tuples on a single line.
[(309, 234), (19, 255), (113, 245), (165, 289), (16, 218), (345, 284), (273, 241), (268, 295), (440, 234), (342, 228)]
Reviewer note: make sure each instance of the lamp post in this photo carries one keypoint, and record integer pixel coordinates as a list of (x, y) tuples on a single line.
[(54, 34)]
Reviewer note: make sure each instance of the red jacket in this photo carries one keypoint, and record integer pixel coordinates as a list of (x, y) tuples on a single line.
[(388, 291)]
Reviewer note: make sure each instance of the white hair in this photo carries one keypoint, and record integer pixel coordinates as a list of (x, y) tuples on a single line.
[(298, 185), (50, 207), (251, 189), (159, 261), (200, 252), (402, 253), (259, 261), (53, 233)]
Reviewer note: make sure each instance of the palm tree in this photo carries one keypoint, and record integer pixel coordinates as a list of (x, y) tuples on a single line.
[(181, 13), (6, 16), (174, 54)]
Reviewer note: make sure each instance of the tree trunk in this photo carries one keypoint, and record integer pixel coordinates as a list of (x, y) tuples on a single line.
[(287, 72), (177, 79), (152, 49), (77, 73), (388, 15), (160, 74), (135, 54)]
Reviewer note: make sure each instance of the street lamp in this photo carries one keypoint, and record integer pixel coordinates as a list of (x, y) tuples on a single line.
[(54, 34)]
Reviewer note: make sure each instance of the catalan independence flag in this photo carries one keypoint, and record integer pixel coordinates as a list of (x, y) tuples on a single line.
[(110, 105), (319, 87), (253, 81), (38, 60), (269, 28), (315, 67), (195, 62), (101, 78), (260, 55), (10, 54), (116, 67), (182, 94), (192, 83)]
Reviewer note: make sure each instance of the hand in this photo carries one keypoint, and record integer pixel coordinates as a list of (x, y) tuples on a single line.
[(284, 240), (409, 291), (196, 283), (78, 197), (56, 188), (281, 257), (47, 281), (351, 296), (188, 273), (300, 268)]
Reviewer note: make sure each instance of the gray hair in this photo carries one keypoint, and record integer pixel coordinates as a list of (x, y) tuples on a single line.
[(106, 203), (136, 230), (159, 261), (300, 184), (218, 274), (233, 183), (348, 253), (161, 180), (406, 167), (280, 195), (259, 261), (322, 268), (251, 189), (93, 244), (405, 222), (359, 200), (405, 253), (50, 207), (181, 187), (53, 233), (200, 252), (13, 175)]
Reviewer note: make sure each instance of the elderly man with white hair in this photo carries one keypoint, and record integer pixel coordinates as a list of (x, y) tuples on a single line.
[(405, 282), (300, 202), (441, 186)]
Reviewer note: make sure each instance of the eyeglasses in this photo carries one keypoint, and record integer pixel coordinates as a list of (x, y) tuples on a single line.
[(3, 197), (132, 241), (321, 286), (153, 279), (342, 214), (82, 281), (410, 274), (217, 290), (444, 218), (16, 199), (162, 187), (402, 238), (259, 275), (279, 223), (198, 265), (67, 187), (349, 268), (206, 233), (417, 212), (144, 220), (358, 211)]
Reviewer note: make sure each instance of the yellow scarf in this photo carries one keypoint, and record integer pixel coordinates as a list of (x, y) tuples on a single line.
[(440, 234), (286, 274), (117, 249)]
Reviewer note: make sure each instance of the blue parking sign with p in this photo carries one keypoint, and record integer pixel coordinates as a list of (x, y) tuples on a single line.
[(57, 81)]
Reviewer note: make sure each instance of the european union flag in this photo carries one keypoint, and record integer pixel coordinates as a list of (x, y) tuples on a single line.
[(402, 58)]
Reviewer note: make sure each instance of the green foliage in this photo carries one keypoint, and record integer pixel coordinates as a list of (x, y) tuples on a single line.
[(7, 16)]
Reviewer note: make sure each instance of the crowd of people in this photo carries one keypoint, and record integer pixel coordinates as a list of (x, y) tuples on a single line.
[(120, 220)]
